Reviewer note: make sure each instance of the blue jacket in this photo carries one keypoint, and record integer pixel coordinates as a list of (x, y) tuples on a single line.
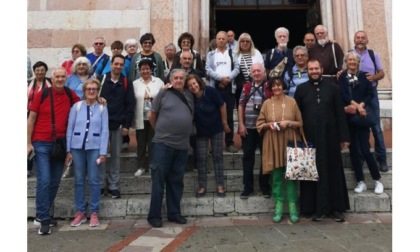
[(92, 133)]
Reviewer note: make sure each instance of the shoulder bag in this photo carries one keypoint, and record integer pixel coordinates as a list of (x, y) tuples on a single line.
[(58, 151), (301, 160)]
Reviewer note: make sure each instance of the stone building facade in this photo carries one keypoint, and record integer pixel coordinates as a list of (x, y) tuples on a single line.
[(55, 25)]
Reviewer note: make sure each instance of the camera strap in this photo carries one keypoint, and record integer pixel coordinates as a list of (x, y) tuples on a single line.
[(256, 88)]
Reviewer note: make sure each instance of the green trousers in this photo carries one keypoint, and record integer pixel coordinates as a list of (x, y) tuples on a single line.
[(277, 176)]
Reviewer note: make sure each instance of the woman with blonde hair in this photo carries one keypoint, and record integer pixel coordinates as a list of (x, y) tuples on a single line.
[(246, 54), (87, 143)]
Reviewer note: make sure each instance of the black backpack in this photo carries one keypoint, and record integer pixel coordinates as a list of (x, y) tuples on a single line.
[(46, 91)]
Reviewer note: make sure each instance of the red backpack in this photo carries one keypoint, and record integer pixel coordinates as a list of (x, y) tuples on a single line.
[(247, 92)]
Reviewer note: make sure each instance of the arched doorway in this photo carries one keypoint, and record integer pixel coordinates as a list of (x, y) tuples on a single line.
[(260, 18)]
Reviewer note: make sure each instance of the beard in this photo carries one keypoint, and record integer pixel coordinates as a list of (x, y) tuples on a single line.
[(311, 77), (283, 45), (322, 42)]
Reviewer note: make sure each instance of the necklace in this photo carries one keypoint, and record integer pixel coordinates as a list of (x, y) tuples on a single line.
[(91, 108), (283, 105)]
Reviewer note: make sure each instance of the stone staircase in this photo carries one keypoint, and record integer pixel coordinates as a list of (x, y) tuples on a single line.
[(135, 199)]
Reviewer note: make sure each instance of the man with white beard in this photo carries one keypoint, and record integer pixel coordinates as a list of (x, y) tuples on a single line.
[(328, 53), (277, 54)]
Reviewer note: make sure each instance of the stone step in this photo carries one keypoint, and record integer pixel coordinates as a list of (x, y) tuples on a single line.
[(137, 206), (130, 185), (136, 193), (231, 161)]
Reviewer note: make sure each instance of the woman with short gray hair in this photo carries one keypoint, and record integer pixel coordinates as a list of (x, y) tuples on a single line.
[(82, 71)]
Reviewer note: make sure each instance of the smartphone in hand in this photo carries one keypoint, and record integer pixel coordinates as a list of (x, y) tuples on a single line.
[(31, 155)]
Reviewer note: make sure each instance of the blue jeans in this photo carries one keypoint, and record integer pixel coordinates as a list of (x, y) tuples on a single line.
[(167, 167), (380, 149), (115, 140), (85, 161), (48, 178), (249, 144)]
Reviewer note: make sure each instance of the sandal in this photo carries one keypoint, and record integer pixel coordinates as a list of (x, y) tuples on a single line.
[(221, 191), (201, 192)]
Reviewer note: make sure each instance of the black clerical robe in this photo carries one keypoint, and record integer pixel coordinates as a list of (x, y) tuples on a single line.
[(325, 125)]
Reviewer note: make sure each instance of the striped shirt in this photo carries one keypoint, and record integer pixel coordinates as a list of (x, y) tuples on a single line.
[(251, 114), (245, 65)]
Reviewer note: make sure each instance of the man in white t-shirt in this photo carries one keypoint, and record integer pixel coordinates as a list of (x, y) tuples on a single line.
[(222, 69)]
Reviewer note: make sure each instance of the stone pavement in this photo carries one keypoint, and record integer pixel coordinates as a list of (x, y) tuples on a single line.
[(360, 232)]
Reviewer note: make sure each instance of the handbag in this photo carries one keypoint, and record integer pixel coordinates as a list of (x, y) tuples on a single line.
[(278, 70), (301, 160), (357, 120), (58, 151)]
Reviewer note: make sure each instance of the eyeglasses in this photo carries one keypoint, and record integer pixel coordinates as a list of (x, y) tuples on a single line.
[(300, 55), (147, 43), (245, 41), (92, 89), (319, 33), (185, 42), (98, 43), (75, 51)]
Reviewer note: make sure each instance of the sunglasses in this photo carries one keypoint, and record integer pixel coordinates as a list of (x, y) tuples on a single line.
[(92, 89), (98, 43)]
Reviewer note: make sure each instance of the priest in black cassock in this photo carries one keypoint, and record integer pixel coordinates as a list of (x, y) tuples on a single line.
[(325, 125)]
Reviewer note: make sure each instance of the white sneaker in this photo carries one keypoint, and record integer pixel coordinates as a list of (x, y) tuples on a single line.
[(139, 172), (360, 187), (379, 188)]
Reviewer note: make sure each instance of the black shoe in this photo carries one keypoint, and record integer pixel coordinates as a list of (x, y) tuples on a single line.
[(317, 217), (245, 195), (102, 192), (221, 194), (337, 216), (383, 167), (53, 223), (45, 228), (156, 223), (266, 194), (178, 219), (200, 194), (115, 194)]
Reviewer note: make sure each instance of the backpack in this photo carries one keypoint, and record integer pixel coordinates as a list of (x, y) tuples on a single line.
[(279, 70), (247, 92), (372, 57), (125, 85), (46, 91), (291, 83), (232, 66), (104, 62)]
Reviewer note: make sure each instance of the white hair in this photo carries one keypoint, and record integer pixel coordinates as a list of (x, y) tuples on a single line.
[(281, 29), (130, 42), (84, 60)]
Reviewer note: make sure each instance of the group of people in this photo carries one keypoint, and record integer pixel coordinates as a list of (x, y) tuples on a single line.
[(183, 102)]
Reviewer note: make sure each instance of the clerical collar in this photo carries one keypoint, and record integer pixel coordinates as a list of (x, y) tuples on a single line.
[(316, 82)]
